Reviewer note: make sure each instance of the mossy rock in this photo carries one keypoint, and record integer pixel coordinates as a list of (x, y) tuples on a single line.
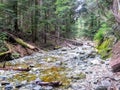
[(55, 74), (105, 48), (23, 76)]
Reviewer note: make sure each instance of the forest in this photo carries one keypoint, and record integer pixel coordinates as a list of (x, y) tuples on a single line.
[(59, 44)]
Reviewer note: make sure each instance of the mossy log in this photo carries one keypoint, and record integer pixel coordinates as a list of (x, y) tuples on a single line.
[(21, 42)]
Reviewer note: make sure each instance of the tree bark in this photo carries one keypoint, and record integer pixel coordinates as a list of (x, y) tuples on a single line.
[(35, 22), (16, 16)]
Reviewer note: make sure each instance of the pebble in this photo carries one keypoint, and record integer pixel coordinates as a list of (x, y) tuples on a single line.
[(95, 62)]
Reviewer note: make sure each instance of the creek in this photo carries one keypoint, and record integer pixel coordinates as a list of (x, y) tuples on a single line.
[(77, 68)]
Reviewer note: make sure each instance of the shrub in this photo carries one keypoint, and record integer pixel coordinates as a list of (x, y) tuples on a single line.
[(100, 35)]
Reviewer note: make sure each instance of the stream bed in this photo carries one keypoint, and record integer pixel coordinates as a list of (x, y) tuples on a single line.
[(77, 68)]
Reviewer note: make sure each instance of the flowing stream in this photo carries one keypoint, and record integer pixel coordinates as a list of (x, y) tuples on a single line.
[(77, 68)]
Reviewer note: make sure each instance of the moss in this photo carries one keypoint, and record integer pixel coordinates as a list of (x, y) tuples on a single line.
[(105, 48), (55, 74), (23, 76)]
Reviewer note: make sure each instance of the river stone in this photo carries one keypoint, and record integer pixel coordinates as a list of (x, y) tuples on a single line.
[(37, 88), (5, 83), (106, 83), (2, 78), (101, 88), (95, 62), (9, 87), (48, 88), (19, 85)]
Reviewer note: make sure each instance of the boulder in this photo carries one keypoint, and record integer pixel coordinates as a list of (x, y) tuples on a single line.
[(115, 60), (115, 65)]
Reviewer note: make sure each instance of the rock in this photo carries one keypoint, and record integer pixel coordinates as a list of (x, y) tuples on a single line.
[(48, 88), (75, 57), (102, 62), (64, 49), (3, 78), (31, 65), (101, 88), (24, 82), (106, 83), (96, 81), (5, 83), (91, 55), (95, 62), (115, 65), (18, 85), (82, 52), (59, 62), (37, 79), (9, 87), (35, 69), (37, 88), (115, 60)]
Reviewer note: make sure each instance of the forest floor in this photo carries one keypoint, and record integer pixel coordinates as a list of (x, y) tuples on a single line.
[(67, 68)]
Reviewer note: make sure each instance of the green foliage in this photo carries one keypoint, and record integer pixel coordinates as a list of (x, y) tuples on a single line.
[(105, 48), (99, 36), (15, 55), (2, 39)]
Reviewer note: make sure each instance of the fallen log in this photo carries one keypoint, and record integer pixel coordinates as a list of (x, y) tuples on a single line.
[(53, 84), (21, 42), (15, 69), (4, 53)]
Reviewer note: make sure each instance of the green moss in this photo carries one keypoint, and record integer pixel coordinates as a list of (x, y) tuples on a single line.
[(105, 48), (55, 74), (23, 76)]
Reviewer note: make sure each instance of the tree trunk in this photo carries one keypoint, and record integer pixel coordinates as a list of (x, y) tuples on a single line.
[(16, 16), (35, 22), (45, 28)]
